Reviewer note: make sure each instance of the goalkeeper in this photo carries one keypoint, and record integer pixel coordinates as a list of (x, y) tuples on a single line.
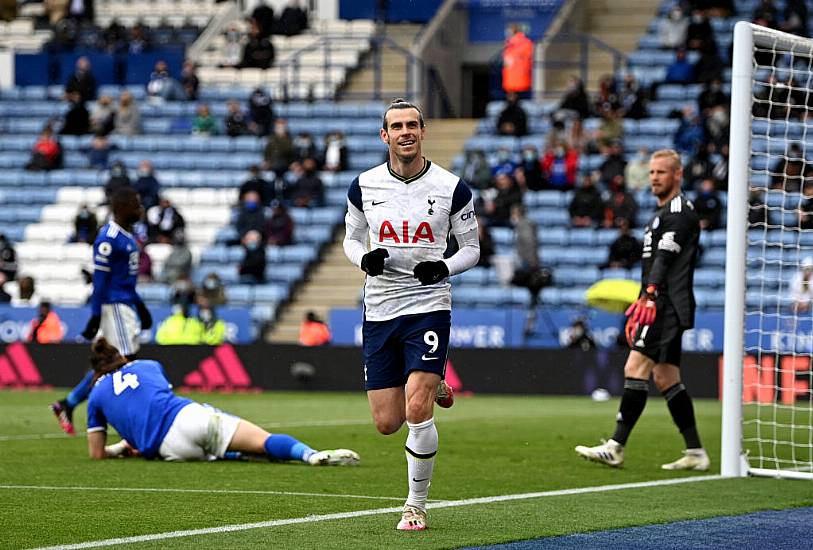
[(657, 320)]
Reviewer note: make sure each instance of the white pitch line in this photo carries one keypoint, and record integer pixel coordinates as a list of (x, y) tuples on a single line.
[(28, 437), (372, 512), (204, 491)]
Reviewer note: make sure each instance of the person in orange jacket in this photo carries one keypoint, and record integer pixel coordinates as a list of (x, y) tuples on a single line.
[(313, 331), (46, 328), (517, 61)]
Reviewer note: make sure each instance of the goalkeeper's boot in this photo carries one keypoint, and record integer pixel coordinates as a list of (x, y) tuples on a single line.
[(609, 452), (692, 459), (444, 395), (64, 415), (334, 457), (413, 519)]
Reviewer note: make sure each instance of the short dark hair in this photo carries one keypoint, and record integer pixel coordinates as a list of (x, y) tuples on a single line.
[(401, 103), (122, 195)]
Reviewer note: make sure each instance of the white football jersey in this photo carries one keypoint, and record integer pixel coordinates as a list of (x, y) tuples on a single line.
[(411, 219)]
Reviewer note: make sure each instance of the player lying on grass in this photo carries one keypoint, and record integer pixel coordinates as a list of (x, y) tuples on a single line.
[(137, 400)]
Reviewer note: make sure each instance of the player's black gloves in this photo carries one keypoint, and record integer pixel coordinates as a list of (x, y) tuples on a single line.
[(429, 273), (372, 263), (143, 315), (92, 327)]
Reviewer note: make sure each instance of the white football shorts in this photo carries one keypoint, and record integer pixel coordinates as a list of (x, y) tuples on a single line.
[(121, 327), (199, 432)]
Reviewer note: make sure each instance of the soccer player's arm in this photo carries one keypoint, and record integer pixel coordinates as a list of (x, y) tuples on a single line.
[(97, 432), (464, 228), (356, 228), (102, 260)]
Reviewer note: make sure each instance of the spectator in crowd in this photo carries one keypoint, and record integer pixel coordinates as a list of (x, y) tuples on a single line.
[(610, 132), (529, 172), (303, 147), (103, 117), (144, 262), (117, 177), (309, 191), (614, 163), (293, 19), (313, 331), (708, 205), (139, 40), (128, 117), (46, 327), (672, 29), (680, 71), (576, 99), (212, 328), (99, 152), (147, 185), (233, 50), (260, 112), (178, 264), (620, 205), (512, 121), (757, 209), (636, 173), (163, 222), (278, 153), (486, 243), (699, 34), (85, 226), (162, 87), (236, 121), (801, 287), (476, 170), (46, 153), (690, 135), (77, 119), (504, 162), (587, 207), (5, 297), (606, 97), (8, 258), (182, 292), (26, 295), (560, 166), (699, 168), (114, 38), (625, 250), (794, 18), (212, 290), (517, 61), (179, 329), (505, 195), (189, 80), (709, 66), (204, 123), (258, 184), (82, 81), (631, 99), (766, 14), (719, 171), (263, 16), (792, 172), (258, 52), (279, 229), (528, 272), (252, 266), (335, 154), (579, 337), (712, 97), (251, 216)]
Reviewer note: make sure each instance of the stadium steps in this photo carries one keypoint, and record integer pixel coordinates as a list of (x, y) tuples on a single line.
[(362, 80), (445, 139), (335, 282)]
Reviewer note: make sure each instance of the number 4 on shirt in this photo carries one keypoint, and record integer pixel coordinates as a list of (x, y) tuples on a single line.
[(123, 381)]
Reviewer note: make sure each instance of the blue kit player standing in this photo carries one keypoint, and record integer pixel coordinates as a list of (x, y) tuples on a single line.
[(136, 398), (406, 208), (115, 306)]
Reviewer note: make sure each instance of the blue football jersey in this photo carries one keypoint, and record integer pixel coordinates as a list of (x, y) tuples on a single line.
[(137, 400), (115, 268)]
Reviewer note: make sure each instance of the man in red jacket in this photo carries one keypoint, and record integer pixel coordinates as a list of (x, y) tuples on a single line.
[(517, 61)]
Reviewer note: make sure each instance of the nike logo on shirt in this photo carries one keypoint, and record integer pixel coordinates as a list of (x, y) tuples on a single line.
[(379, 202), (425, 358)]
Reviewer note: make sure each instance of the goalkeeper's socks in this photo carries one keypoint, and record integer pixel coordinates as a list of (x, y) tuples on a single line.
[(421, 447), (81, 391), (632, 405), (682, 411), (285, 447)]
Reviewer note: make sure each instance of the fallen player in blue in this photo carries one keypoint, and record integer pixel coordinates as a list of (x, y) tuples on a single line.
[(136, 398)]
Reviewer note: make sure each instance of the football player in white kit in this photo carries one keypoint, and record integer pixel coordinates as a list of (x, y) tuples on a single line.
[(407, 207)]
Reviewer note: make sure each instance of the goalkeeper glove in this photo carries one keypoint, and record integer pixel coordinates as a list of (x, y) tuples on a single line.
[(372, 263), (92, 327), (644, 310), (630, 329), (429, 273), (143, 315)]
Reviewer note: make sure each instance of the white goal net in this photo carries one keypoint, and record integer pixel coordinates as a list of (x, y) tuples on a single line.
[(768, 373)]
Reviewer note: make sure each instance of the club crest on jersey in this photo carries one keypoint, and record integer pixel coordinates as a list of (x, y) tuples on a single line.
[(431, 203), (423, 233)]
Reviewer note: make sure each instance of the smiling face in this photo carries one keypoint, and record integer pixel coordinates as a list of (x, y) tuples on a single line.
[(403, 134)]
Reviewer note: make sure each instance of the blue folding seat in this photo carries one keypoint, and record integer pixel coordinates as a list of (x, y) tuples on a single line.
[(239, 294), (557, 236), (584, 237), (273, 293)]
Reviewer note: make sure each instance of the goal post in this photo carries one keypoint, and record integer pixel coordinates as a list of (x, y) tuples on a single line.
[(767, 422)]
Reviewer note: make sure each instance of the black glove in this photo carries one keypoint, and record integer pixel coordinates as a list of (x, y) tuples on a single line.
[(143, 315), (429, 273), (92, 327), (372, 263)]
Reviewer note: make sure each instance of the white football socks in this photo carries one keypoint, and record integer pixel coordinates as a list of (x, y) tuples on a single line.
[(421, 447)]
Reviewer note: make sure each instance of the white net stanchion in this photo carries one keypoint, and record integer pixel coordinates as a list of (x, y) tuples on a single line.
[(768, 412)]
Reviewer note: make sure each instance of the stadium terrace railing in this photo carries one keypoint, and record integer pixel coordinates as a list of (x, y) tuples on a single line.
[(228, 12)]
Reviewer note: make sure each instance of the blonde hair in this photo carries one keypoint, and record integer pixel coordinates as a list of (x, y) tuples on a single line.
[(677, 164)]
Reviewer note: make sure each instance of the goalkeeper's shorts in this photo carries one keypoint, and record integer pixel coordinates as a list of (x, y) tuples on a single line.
[(662, 341)]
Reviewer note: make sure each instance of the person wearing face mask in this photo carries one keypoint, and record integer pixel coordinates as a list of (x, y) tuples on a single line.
[(212, 329), (504, 162), (672, 29), (636, 173), (212, 290), (260, 112), (279, 230), (531, 170), (699, 33), (251, 216), (708, 205), (82, 81), (512, 121), (309, 191), (335, 154), (163, 221), (279, 154), (146, 185), (560, 166), (179, 329), (252, 266), (303, 147), (162, 86), (85, 226)]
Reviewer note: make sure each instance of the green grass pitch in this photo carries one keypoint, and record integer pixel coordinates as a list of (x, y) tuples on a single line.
[(488, 446)]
